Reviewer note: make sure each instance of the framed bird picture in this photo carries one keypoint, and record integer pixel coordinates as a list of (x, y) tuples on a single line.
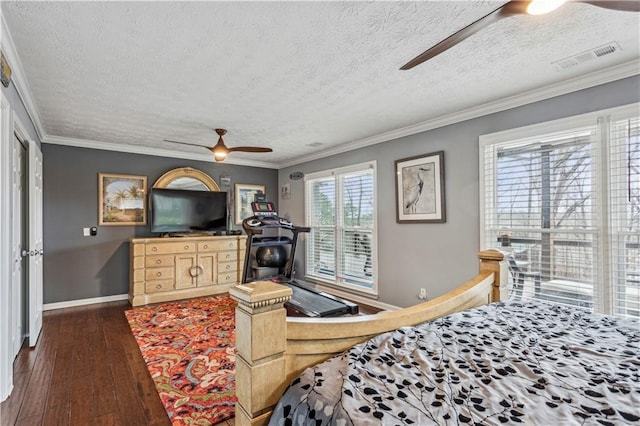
[(420, 189)]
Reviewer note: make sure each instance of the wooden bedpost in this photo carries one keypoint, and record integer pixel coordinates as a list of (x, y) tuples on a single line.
[(493, 261), (261, 338)]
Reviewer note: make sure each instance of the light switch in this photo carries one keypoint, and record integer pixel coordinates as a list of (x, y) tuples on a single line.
[(86, 232)]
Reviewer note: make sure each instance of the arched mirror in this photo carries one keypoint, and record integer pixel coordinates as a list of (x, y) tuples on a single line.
[(187, 178)]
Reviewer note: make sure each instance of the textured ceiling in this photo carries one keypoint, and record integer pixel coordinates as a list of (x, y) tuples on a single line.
[(299, 77)]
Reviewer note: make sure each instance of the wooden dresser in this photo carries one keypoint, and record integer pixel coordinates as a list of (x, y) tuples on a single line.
[(164, 269)]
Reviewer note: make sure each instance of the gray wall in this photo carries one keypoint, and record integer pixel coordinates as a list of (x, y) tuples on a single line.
[(78, 267), (442, 256)]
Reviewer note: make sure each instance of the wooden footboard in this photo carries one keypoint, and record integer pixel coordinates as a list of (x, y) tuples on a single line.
[(274, 349)]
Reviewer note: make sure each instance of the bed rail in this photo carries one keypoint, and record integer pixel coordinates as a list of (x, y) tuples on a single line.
[(274, 349)]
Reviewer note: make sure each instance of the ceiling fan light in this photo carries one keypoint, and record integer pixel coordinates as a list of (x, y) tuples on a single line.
[(219, 155), (540, 7)]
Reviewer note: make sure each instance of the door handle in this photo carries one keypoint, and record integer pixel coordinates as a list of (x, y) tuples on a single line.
[(26, 253)]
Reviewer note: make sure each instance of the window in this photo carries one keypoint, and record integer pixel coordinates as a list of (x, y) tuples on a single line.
[(341, 212), (563, 200)]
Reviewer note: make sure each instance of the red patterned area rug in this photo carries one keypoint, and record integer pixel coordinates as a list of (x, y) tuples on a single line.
[(189, 348)]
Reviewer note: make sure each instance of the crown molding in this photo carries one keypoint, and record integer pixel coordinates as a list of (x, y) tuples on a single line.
[(596, 78), (145, 150), (19, 79)]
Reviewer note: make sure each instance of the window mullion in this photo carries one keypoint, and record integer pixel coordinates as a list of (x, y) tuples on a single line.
[(603, 291), (339, 227)]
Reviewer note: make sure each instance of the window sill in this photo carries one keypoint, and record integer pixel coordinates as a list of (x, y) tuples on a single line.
[(368, 293)]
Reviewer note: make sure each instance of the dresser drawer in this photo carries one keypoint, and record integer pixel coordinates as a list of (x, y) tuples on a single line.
[(159, 274), (158, 285), (178, 247), (227, 256), (159, 261), (227, 278), (224, 267), (217, 245)]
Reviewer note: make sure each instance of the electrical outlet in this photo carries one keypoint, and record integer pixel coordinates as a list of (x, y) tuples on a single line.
[(423, 294), (86, 232)]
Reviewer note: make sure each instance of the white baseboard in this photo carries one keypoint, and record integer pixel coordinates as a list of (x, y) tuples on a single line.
[(355, 298), (81, 302)]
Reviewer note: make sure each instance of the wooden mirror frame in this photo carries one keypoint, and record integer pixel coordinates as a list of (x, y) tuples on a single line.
[(181, 172)]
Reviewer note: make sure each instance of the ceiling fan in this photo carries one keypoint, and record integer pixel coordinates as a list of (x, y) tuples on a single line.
[(516, 7), (220, 150)]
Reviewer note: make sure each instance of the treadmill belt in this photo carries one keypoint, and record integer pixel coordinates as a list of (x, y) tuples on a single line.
[(314, 302)]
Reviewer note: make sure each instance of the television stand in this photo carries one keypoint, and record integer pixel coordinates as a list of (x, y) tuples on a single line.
[(164, 269)]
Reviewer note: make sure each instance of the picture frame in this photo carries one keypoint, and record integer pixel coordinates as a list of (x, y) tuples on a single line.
[(244, 194), (122, 199), (285, 191), (420, 196), (5, 70)]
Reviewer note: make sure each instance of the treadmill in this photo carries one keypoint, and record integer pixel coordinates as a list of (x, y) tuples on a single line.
[(305, 300)]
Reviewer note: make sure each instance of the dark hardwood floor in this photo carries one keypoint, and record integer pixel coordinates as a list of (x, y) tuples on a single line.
[(86, 370)]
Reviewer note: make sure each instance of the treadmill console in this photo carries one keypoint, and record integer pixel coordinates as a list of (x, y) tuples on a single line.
[(265, 214), (263, 208)]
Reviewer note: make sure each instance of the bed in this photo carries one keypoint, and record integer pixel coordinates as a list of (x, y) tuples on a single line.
[(510, 362), (507, 362)]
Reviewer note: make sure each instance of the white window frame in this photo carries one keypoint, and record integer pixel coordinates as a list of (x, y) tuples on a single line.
[(338, 282), (603, 118)]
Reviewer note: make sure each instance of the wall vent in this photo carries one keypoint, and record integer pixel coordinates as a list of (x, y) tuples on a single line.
[(586, 56)]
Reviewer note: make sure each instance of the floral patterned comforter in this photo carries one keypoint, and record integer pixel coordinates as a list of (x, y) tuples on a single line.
[(512, 362)]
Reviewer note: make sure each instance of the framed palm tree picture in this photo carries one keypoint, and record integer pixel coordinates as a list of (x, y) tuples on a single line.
[(122, 199)]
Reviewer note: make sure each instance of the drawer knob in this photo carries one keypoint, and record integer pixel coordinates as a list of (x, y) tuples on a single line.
[(158, 261), (206, 246), (228, 267), (186, 247), (158, 274), (228, 256), (231, 245), (158, 287), (154, 248)]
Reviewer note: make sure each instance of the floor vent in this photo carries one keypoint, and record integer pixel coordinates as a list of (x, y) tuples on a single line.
[(587, 56)]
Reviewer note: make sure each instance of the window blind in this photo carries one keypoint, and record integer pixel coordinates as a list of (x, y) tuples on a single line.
[(544, 213), (624, 178), (341, 213), (321, 217), (564, 206)]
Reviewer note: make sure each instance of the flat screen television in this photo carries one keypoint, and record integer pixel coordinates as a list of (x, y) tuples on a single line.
[(180, 210)]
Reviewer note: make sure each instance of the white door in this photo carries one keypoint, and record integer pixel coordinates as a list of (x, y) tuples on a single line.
[(35, 242), (17, 270)]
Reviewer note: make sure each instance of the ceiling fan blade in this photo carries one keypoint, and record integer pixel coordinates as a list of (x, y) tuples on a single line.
[(249, 149), (508, 9), (624, 6), (185, 143)]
